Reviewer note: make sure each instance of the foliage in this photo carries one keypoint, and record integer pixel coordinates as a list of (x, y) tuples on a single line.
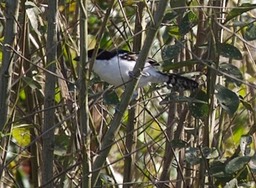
[(167, 139)]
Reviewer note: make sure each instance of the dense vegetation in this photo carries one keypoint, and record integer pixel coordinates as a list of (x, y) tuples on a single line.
[(61, 126)]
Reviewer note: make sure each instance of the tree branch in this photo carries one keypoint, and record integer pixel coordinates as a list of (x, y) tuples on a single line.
[(115, 123)]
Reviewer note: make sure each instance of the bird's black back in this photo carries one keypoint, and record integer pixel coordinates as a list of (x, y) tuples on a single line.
[(124, 54), (102, 54)]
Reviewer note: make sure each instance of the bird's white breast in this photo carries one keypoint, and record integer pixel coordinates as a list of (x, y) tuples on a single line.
[(114, 71)]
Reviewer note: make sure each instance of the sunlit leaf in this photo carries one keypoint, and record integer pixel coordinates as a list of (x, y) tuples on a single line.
[(238, 131), (199, 107), (174, 31), (232, 71), (230, 51), (153, 130), (72, 7), (237, 11), (57, 96), (236, 164), (94, 24), (22, 94), (227, 99), (22, 135), (1, 55), (105, 41)]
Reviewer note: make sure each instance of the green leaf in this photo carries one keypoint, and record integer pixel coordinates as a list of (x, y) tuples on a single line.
[(169, 16), (192, 156), (111, 98), (187, 22), (252, 163), (232, 71), (250, 32), (237, 11), (236, 164), (199, 107), (57, 96), (184, 26), (210, 153), (217, 169), (22, 94), (170, 52), (230, 51), (174, 31), (228, 100), (22, 135)]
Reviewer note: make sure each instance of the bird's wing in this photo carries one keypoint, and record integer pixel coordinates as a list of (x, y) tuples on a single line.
[(131, 56)]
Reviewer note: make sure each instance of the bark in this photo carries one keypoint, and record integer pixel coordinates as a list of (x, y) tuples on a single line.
[(49, 116)]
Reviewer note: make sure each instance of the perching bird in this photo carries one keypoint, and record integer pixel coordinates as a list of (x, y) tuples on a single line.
[(115, 67)]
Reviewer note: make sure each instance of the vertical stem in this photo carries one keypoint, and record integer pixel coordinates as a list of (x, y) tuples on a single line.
[(169, 155), (168, 152), (130, 144), (208, 134), (30, 102), (131, 138), (137, 40), (83, 98), (49, 102), (11, 14)]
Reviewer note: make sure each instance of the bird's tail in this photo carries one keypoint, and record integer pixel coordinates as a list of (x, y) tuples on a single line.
[(178, 82)]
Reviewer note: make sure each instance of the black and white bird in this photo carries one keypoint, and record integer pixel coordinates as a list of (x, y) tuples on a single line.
[(115, 67)]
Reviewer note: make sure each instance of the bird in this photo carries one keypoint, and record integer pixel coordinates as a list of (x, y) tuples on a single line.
[(116, 68)]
